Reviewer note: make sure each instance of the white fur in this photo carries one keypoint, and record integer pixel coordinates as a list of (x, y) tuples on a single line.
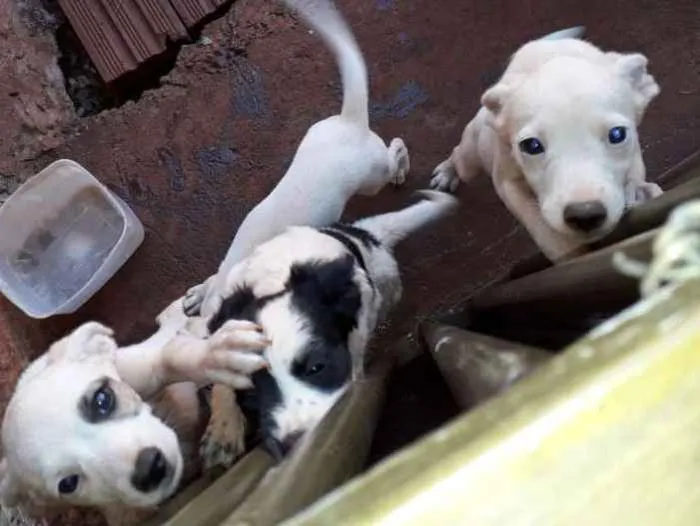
[(568, 94), (303, 406), (267, 270), (45, 438), (338, 157)]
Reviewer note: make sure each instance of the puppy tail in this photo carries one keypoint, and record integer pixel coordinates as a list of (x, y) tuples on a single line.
[(569, 32), (324, 18), (393, 227)]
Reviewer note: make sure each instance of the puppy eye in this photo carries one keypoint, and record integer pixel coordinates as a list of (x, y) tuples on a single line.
[(68, 485), (617, 134), (531, 146), (315, 368), (103, 401)]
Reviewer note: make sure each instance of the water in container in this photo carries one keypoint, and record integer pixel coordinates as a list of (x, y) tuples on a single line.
[(63, 252)]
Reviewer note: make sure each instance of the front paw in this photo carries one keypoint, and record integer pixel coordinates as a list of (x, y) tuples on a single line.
[(642, 192), (233, 354), (194, 297), (445, 177), (223, 441), (402, 162)]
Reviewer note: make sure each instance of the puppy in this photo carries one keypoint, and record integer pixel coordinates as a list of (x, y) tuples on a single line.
[(558, 134), (79, 429), (318, 294), (337, 158)]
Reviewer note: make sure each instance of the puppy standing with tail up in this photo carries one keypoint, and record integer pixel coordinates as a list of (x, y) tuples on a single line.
[(337, 158), (558, 134)]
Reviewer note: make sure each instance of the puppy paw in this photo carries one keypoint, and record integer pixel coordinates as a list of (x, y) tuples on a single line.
[(399, 153), (445, 177), (233, 354), (648, 191), (223, 441), (643, 192), (194, 297)]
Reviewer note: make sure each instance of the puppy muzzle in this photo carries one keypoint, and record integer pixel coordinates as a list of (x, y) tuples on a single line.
[(279, 449), (151, 470), (585, 217)]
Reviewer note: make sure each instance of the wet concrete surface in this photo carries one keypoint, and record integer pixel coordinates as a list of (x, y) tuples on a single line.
[(194, 156)]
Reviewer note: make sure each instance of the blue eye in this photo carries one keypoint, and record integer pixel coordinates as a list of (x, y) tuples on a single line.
[(531, 146), (617, 134), (68, 484), (103, 401)]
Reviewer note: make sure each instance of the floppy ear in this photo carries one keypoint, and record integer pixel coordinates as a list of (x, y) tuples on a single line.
[(633, 69), (90, 340), (495, 97), (10, 491), (329, 289)]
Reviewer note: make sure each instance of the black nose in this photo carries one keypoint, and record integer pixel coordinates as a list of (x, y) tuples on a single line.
[(290, 441), (585, 216), (281, 448), (150, 469)]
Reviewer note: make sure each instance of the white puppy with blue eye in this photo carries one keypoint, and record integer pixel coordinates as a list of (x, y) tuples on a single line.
[(558, 134), (79, 428)]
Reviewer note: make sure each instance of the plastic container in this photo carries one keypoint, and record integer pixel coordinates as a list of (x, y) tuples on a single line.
[(63, 235)]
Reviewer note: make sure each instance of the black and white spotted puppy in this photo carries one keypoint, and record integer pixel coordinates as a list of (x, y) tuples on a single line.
[(318, 294)]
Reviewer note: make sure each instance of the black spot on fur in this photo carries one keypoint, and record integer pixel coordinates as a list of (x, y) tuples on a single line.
[(241, 305), (257, 404), (365, 236), (268, 396), (327, 297), (349, 244), (324, 364)]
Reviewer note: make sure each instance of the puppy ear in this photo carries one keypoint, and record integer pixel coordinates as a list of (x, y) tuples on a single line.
[(495, 97), (328, 288), (10, 491), (91, 339), (633, 69)]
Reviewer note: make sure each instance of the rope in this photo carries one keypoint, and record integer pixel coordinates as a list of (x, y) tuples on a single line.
[(675, 252)]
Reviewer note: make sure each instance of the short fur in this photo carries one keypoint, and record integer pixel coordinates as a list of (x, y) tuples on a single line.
[(338, 157), (53, 428), (318, 301), (568, 94)]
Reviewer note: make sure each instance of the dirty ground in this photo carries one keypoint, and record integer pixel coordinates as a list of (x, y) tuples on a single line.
[(195, 154)]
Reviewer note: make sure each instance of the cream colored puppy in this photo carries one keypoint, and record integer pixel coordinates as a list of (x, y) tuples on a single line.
[(558, 134), (339, 157), (79, 428)]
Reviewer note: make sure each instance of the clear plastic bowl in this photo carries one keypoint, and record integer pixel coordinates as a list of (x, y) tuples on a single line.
[(63, 235)]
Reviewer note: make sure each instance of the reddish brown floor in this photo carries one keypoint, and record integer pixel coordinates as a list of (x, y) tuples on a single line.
[(193, 157)]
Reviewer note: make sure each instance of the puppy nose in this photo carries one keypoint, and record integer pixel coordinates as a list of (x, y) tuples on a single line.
[(290, 441), (150, 469), (280, 448), (585, 216)]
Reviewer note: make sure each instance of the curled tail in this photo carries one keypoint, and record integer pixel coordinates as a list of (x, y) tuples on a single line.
[(391, 228), (570, 32), (326, 20)]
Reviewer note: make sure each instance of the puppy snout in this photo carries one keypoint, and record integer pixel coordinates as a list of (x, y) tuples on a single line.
[(150, 470), (585, 216), (290, 441), (281, 448)]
